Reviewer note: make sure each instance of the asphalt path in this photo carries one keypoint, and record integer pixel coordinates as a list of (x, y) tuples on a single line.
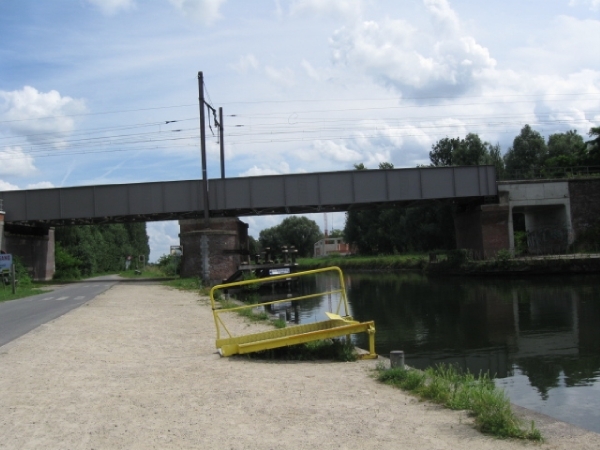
[(18, 317)]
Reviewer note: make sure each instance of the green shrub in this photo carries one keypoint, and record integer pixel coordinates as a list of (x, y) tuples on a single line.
[(521, 246), (170, 265), (457, 257), (67, 266)]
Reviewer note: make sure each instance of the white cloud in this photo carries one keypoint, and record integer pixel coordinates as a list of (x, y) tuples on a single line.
[(283, 77), (310, 70), (6, 186), (246, 63), (255, 171), (445, 20), (594, 5), (204, 11), (397, 55), (334, 151), (14, 162), (110, 7), (343, 8), (40, 185), (558, 49), (39, 116)]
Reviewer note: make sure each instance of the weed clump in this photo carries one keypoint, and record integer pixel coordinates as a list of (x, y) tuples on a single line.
[(448, 386)]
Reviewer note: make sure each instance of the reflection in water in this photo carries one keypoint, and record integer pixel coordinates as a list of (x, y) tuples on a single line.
[(540, 337)]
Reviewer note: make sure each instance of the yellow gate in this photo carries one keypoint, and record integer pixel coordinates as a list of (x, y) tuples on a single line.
[(335, 326)]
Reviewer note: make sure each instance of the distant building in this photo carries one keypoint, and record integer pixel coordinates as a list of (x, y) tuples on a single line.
[(331, 246)]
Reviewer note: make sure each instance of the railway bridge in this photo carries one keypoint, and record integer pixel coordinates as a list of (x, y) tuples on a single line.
[(483, 219)]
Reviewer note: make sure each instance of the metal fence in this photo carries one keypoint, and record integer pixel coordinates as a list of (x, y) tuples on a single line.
[(549, 241), (551, 173)]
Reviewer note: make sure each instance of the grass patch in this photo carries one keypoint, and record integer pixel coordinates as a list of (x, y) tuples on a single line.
[(186, 284), (146, 272), (446, 385), (21, 292)]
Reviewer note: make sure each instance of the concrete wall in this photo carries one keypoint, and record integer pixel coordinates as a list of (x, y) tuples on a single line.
[(546, 206), (554, 211), (482, 229), (467, 227), (585, 205), (35, 248), (227, 243)]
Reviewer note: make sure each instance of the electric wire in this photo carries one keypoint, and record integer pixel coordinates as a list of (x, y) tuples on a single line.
[(261, 128)]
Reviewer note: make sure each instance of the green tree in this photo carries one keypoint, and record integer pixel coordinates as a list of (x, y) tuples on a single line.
[(335, 233), (387, 230), (495, 158), (470, 151), (565, 149), (298, 231), (593, 147), (442, 152), (100, 248), (527, 154)]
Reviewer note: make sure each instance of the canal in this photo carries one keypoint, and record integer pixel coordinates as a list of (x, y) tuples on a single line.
[(539, 337)]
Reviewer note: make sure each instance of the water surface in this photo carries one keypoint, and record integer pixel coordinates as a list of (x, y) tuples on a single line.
[(539, 337)]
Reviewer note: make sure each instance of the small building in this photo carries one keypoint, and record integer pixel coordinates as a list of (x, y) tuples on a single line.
[(331, 246)]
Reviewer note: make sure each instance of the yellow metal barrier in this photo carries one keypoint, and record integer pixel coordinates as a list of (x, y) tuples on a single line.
[(335, 326)]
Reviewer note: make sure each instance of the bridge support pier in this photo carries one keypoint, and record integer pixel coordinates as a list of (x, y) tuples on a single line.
[(483, 229), (227, 242), (34, 246)]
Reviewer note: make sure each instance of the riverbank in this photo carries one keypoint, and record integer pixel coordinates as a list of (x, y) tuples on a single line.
[(457, 263), (137, 368)]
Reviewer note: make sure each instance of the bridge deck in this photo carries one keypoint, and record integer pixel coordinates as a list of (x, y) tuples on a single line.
[(274, 194)]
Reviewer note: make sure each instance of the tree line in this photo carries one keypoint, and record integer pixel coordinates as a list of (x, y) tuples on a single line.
[(530, 156), (85, 250), (430, 225)]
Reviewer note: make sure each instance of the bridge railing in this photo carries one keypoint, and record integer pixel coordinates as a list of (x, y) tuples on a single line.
[(550, 173)]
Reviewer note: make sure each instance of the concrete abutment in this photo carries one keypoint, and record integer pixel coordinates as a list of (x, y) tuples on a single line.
[(34, 246), (227, 244)]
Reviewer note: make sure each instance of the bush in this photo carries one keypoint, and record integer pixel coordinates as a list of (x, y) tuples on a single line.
[(521, 246), (446, 385), (67, 266), (457, 257), (21, 273), (169, 264)]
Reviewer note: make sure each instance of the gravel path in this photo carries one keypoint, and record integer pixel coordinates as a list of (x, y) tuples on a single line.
[(136, 368)]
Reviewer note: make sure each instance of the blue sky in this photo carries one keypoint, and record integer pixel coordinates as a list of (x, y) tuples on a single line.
[(87, 86)]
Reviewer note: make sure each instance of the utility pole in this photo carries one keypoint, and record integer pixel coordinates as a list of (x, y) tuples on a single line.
[(203, 149), (221, 142), (204, 239)]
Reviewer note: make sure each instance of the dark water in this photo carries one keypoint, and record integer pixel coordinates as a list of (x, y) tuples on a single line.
[(539, 337)]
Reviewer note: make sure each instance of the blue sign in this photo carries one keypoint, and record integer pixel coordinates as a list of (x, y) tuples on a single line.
[(5, 261)]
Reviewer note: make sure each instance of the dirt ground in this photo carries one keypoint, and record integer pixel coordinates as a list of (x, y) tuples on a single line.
[(136, 368)]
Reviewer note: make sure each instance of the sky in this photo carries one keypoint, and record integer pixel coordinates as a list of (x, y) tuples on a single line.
[(106, 91)]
